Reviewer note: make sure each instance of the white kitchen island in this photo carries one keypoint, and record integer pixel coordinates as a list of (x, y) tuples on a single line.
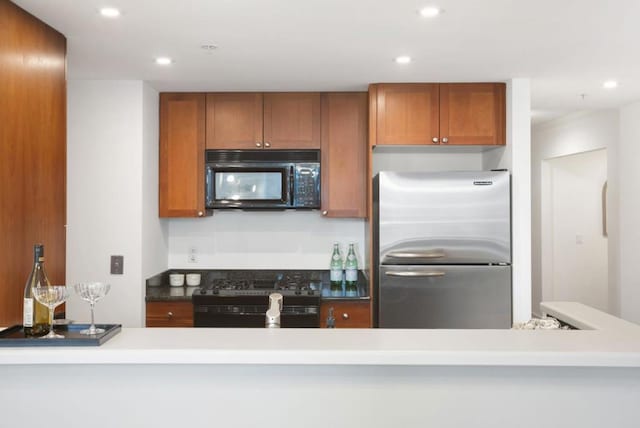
[(321, 378)]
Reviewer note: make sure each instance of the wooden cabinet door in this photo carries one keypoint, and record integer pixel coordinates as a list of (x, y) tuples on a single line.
[(472, 113), (169, 314), (182, 133), (234, 121), (356, 314), (292, 120), (407, 113), (344, 154)]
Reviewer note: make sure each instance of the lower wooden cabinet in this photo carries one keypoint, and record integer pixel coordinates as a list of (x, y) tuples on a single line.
[(348, 314), (169, 314)]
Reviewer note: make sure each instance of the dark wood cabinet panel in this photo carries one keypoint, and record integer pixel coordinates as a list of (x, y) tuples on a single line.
[(182, 145), (472, 113), (344, 154), (32, 153), (169, 314), (348, 314), (407, 114), (234, 120), (292, 120)]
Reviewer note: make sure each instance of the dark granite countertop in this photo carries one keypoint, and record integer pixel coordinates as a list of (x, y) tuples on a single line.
[(159, 290)]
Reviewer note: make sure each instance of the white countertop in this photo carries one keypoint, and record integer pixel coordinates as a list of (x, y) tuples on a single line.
[(610, 342)]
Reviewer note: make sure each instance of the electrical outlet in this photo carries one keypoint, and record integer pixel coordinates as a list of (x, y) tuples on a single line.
[(117, 265), (193, 255)]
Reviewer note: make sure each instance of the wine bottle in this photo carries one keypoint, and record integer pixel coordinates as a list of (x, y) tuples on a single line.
[(351, 273), (336, 271), (35, 315)]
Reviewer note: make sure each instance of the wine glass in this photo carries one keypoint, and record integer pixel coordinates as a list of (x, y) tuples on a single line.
[(92, 292), (51, 297)]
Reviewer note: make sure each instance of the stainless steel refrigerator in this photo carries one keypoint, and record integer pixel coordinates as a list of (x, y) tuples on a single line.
[(442, 245)]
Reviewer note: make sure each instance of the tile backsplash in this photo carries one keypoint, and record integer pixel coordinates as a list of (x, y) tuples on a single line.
[(266, 240)]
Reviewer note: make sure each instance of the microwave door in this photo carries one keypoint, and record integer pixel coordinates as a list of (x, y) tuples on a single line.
[(249, 187)]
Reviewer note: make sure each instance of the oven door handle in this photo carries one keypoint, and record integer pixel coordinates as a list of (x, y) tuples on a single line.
[(287, 311)]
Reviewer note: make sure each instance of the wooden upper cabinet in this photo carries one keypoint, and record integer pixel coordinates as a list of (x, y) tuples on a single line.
[(444, 113), (472, 113), (344, 154), (234, 120), (292, 120), (182, 142), (407, 113)]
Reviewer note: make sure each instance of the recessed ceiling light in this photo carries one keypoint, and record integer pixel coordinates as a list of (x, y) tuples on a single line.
[(610, 84), (163, 60), (109, 12), (430, 12), (208, 47), (403, 59)]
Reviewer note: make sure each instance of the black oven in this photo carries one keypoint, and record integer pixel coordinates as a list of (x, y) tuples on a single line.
[(262, 179), (237, 298), (246, 315)]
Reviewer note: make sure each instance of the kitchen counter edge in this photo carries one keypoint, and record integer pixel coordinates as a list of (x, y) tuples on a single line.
[(609, 347)]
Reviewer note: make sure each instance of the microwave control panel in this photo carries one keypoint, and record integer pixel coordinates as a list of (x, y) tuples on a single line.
[(307, 185)]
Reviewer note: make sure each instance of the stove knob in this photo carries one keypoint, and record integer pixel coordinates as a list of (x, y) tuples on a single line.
[(203, 291), (216, 291), (298, 292), (310, 292)]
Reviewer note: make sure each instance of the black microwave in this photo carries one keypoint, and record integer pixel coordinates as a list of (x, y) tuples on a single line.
[(262, 179)]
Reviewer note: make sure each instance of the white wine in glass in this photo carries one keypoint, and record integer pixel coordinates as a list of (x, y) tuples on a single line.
[(51, 297), (92, 292)]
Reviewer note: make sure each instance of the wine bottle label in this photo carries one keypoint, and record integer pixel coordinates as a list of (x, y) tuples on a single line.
[(27, 311), (336, 275), (351, 275)]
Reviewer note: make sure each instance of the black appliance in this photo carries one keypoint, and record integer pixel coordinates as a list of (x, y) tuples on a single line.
[(262, 179), (240, 298)]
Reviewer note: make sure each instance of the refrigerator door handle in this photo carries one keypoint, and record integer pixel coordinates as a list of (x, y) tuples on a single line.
[(415, 274), (416, 255)]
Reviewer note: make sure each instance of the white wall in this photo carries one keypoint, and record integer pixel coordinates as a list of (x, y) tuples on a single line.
[(262, 240), (517, 159), (409, 158), (628, 170), (109, 132), (155, 231), (577, 133), (578, 246)]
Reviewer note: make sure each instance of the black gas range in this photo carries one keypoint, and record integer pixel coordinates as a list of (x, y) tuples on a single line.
[(239, 298)]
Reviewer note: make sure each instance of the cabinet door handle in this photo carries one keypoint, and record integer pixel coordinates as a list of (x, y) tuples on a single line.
[(200, 213), (345, 316), (258, 144), (445, 140), (325, 212), (169, 315), (435, 140), (267, 145)]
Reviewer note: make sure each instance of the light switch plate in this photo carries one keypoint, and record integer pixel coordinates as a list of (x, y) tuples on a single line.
[(117, 265)]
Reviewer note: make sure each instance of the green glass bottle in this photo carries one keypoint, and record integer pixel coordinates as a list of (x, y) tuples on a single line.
[(336, 271), (351, 273)]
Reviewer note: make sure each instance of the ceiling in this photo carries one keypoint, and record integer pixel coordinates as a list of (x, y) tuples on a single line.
[(567, 48)]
